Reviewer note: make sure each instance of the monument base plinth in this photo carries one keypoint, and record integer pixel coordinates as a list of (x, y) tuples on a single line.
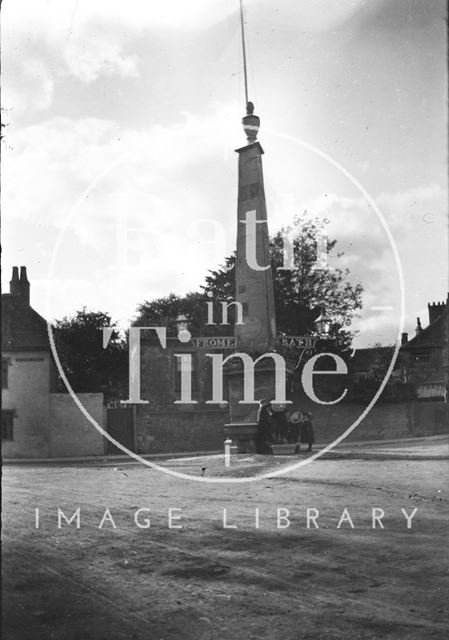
[(242, 428)]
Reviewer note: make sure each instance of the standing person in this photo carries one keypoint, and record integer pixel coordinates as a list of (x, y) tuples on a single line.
[(307, 434), (294, 428), (280, 423), (264, 424)]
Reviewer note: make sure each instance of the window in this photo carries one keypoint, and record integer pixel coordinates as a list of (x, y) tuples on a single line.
[(5, 365), (422, 357), (431, 391), (7, 425)]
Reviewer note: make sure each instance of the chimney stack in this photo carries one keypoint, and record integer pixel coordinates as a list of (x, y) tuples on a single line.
[(418, 326), (14, 284), (404, 338), (24, 286), (20, 287)]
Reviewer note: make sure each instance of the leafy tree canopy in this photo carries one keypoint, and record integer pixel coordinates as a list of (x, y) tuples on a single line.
[(300, 293), (89, 367)]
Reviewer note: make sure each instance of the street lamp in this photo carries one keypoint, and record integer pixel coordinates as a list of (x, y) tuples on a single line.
[(323, 324), (182, 322), (182, 325)]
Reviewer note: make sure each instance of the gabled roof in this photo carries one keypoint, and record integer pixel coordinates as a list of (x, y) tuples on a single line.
[(23, 329), (431, 336)]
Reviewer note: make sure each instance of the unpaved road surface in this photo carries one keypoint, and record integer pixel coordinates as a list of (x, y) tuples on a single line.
[(256, 579)]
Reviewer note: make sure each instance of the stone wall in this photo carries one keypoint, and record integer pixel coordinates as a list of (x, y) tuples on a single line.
[(71, 434), (175, 431), (384, 421), (172, 431), (429, 418)]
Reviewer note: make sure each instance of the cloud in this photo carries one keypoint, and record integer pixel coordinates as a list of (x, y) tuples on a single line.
[(88, 40), (423, 205), (308, 15), (143, 212), (57, 19), (89, 57), (154, 208), (43, 42), (27, 81), (53, 17), (417, 220)]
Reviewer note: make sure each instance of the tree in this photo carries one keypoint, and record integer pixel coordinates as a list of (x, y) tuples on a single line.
[(163, 312), (300, 294), (89, 367)]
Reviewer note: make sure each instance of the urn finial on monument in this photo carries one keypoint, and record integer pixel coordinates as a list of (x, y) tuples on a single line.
[(251, 123)]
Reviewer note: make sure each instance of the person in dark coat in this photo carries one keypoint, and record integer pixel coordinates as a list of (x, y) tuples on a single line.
[(264, 426), (294, 427), (280, 423), (307, 435)]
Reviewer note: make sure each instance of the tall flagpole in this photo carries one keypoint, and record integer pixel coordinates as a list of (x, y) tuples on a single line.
[(244, 51)]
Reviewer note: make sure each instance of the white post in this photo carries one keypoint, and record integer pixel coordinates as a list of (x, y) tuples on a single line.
[(227, 448)]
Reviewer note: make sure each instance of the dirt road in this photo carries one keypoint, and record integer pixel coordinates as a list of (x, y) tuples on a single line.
[(243, 566)]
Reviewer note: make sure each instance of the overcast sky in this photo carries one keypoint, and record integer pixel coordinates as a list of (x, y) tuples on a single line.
[(119, 171)]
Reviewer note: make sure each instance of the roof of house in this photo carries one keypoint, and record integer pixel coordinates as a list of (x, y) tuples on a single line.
[(432, 335), (23, 329)]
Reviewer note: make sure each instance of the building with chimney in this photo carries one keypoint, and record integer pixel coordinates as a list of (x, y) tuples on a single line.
[(28, 373), (38, 422), (425, 357)]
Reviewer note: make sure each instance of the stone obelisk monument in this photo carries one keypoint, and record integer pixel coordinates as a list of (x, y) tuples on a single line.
[(256, 335), (254, 290), (253, 275)]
